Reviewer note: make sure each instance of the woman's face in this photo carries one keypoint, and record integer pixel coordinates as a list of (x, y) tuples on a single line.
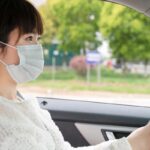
[(11, 55)]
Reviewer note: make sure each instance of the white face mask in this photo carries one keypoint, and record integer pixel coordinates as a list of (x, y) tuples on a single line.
[(31, 63)]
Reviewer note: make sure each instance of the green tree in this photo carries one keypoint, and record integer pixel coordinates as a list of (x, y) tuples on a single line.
[(77, 23), (50, 28), (127, 32)]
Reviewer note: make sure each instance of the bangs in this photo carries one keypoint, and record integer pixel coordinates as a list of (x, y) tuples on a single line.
[(29, 20), (24, 16), (19, 14)]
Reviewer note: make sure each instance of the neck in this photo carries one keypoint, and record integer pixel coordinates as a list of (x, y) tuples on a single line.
[(8, 88), (9, 91)]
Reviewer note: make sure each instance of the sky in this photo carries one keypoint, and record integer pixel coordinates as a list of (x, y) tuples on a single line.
[(38, 2)]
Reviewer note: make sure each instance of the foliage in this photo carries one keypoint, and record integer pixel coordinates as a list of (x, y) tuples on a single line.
[(127, 32), (50, 28), (74, 23)]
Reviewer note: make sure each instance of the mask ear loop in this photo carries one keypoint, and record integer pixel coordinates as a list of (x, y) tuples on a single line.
[(3, 63), (9, 46)]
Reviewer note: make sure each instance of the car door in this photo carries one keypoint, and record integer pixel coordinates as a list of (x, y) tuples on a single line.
[(84, 123)]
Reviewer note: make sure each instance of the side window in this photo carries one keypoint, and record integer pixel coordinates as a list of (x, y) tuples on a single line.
[(95, 51)]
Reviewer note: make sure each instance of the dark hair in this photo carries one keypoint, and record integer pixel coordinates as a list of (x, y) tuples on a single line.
[(19, 14)]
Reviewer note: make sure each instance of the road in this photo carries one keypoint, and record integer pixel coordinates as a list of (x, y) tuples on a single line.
[(106, 97)]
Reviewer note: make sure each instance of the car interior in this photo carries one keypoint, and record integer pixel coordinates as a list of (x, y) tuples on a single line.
[(84, 123)]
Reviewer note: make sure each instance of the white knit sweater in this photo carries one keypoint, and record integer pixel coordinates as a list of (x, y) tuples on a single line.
[(25, 126)]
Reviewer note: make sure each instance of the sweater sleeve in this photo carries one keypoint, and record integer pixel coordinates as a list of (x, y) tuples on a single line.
[(120, 144), (20, 142)]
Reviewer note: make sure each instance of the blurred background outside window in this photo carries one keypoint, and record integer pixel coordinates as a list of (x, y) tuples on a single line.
[(94, 51)]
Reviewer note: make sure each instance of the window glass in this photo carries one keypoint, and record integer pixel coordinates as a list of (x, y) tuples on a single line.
[(93, 51)]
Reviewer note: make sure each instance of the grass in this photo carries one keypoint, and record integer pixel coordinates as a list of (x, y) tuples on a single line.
[(110, 81)]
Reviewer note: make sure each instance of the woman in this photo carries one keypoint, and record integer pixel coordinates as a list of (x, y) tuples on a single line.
[(23, 125)]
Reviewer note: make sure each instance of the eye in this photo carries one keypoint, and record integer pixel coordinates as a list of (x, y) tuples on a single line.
[(39, 39), (29, 38)]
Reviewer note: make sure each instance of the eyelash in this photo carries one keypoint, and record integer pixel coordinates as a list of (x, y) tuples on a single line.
[(39, 38), (30, 38)]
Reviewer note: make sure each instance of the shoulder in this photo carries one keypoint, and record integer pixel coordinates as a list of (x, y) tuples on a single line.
[(14, 113)]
